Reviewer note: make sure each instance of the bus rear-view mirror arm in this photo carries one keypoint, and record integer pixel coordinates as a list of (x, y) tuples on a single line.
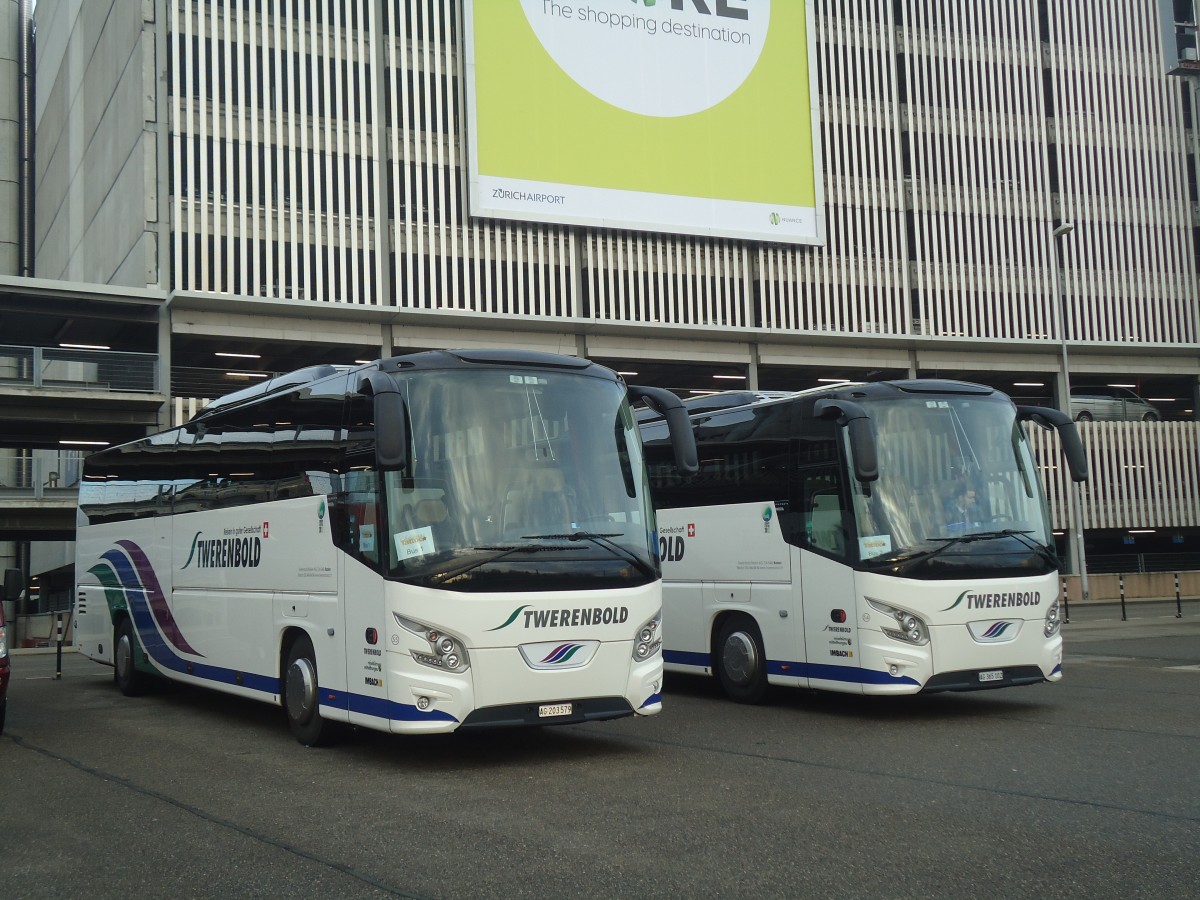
[(13, 584), (1072, 446), (391, 414), (854, 419), (671, 408)]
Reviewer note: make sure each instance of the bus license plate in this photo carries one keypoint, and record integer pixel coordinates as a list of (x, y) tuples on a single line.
[(549, 710), (992, 675)]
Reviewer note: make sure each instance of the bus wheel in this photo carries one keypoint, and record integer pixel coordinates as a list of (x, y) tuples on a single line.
[(301, 700), (741, 662), (129, 678)]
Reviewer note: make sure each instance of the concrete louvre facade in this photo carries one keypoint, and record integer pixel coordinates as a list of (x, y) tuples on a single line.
[(96, 133), (299, 177), (10, 236)]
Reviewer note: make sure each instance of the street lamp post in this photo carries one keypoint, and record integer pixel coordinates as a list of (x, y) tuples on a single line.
[(1075, 502)]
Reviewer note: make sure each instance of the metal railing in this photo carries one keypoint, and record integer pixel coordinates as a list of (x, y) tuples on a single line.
[(80, 370), (40, 474), (1141, 563)]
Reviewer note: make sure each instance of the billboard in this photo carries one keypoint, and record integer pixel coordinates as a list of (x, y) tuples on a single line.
[(682, 116)]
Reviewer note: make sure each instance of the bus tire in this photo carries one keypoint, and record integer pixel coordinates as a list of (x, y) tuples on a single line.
[(741, 663), (132, 681), (301, 694)]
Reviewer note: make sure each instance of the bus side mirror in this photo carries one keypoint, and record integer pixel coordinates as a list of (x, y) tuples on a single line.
[(13, 585), (391, 418), (863, 449), (1072, 446), (671, 408)]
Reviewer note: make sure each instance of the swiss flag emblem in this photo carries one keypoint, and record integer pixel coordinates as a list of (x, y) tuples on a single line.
[(691, 529), (266, 529)]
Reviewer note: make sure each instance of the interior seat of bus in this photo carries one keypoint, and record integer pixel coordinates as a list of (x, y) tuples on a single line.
[(433, 513), (538, 501), (827, 531)]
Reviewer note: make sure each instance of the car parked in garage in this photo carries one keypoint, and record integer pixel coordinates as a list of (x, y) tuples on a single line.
[(1107, 403)]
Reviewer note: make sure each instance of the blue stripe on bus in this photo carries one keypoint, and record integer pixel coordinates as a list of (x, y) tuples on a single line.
[(652, 699), (158, 650), (382, 708), (1056, 670), (849, 674), (684, 658)]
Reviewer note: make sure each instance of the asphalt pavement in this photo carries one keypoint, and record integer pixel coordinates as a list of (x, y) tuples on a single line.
[(1086, 788)]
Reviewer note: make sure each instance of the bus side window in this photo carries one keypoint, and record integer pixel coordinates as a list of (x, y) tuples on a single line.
[(824, 522)]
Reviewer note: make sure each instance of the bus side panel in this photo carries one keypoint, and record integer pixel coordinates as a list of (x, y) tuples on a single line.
[(687, 632), (736, 561), (121, 569), (777, 609), (245, 575)]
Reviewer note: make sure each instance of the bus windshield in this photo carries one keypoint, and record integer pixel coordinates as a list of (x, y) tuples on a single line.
[(519, 476), (953, 470)]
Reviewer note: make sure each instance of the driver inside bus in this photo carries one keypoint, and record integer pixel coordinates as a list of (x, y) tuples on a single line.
[(962, 510)]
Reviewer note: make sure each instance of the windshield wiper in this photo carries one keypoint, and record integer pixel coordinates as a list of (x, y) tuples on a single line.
[(601, 540), (1033, 545), (500, 553), (950, 541), (977, 536)]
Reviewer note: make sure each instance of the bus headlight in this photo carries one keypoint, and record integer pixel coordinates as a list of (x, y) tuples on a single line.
[(1053, 622), (912, 630), (649, 639), (445, 652)]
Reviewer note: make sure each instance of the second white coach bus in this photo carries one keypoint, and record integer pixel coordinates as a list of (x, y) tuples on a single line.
[(884, 538), (429, 542)]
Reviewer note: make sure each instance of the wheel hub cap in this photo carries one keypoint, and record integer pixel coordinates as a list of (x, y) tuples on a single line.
[(301, 691), (740, 657)]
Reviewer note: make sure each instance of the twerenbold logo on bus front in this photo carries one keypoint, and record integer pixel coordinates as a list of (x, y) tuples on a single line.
[(567, 618), (999, 600)]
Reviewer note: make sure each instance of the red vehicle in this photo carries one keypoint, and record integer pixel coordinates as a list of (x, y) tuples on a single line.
[(12, 590)]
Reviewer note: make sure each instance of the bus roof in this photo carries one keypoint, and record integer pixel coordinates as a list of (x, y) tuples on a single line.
[(721, 401), (425, 359)]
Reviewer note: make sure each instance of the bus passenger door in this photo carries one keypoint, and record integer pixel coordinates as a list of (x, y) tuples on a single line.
[(827, 584), (830, 629)]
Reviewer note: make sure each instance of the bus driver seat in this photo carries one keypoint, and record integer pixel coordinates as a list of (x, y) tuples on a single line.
[(538, 506), (434, 514)]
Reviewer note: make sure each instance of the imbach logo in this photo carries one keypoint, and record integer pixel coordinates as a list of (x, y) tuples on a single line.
[(225, 553)]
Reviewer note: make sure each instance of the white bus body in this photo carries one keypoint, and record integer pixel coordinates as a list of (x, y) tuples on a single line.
[(316, 570), (782, 566)]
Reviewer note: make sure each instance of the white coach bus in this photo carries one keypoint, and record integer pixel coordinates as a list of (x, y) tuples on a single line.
[(433, 541), (884, 538)]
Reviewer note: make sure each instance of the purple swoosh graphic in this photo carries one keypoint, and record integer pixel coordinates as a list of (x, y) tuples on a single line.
[(561, 651), (158, 603)]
